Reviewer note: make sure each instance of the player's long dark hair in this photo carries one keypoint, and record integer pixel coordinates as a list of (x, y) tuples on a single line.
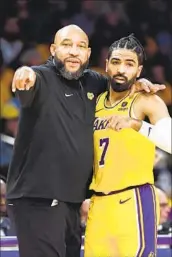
[(130, 43)]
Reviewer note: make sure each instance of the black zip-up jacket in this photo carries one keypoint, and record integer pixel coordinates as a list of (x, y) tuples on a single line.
[(53, 152)]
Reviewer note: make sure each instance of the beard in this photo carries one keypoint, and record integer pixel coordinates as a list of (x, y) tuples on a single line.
[(121, 87), (67, 74)]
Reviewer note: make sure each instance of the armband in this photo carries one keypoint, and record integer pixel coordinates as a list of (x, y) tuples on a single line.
[(160, 134), (145, 128)]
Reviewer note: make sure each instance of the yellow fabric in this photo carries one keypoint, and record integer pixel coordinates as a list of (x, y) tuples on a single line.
[(128, 156), (113, 229), (6, 80), (9, 111)]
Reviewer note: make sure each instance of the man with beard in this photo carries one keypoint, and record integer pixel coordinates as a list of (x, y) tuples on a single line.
[(53, 153), (124, 203)]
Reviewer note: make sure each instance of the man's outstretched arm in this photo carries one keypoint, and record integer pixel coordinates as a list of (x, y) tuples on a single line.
[(25, 82)]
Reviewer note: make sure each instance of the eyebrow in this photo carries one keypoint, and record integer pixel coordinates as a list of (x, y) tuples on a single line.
[(67, 39), (84, 42), (118, 59)]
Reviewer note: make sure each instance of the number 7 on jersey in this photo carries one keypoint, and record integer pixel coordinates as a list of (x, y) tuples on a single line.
[(104, 142)]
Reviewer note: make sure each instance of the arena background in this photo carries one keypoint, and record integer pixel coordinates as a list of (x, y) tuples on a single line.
[(27, 28)]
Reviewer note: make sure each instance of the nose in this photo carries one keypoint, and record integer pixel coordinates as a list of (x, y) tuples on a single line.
[(74, 51), (121, 69)]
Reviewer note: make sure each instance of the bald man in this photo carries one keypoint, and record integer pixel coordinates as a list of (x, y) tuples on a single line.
[(164, 206), (5, 224), (52, 162), (2, 198)]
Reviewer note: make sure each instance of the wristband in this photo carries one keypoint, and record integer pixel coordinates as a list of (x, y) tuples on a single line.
[(145, 129)]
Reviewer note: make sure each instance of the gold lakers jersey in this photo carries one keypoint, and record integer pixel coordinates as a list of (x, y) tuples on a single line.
[(121, 159)]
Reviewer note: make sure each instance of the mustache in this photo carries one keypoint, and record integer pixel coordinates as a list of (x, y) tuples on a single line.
[(120, 76), (60, 65), (73, 59)]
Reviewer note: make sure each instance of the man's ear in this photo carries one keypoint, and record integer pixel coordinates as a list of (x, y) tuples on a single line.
[(53, 49), (89, 52), (139, 71)]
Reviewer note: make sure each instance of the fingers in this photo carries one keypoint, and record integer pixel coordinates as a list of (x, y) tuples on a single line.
[(109, 118), (153, 88), (114, 123), (143, 85), (147, 86), (111, 121), (156, 87), (28, 85), (19, 81), (161, 87), (139, 86), (119, 126), (13, 85), (144, 82), (24, 79), (118, 123)]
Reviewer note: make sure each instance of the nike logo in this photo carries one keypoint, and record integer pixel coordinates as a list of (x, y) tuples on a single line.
[(149, 131), (124, 201), (67, 95)]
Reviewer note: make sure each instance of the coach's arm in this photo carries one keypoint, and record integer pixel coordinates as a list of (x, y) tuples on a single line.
[(25, 82)]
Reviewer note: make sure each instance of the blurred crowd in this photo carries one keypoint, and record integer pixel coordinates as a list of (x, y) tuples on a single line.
[(28, 27)]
